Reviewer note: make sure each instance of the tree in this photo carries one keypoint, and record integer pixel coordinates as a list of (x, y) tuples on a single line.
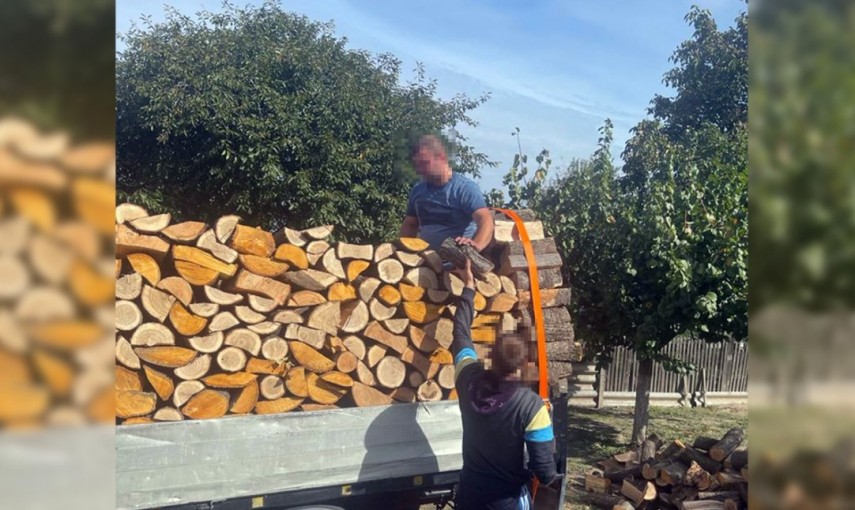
[(264, 113), (523, 192), (58, 65), (658, 249)]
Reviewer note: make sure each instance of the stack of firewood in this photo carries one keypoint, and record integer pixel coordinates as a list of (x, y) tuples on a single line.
[(710, 474), (805, 478), (508, 251), (231, 319), (56, 279)]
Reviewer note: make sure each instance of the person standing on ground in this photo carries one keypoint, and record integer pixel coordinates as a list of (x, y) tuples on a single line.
[(500, 418), (444, 203)]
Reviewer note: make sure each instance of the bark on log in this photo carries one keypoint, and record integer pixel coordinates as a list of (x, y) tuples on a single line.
[(548, 279), (737, 460), (630, 472), (689, 454), (457, 255), (638, 495), (704, 443), (728, 444)]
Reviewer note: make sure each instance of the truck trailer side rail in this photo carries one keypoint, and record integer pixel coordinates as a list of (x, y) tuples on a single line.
[(172, 464)]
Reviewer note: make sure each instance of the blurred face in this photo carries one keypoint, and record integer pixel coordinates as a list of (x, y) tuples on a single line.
[(429, 165)]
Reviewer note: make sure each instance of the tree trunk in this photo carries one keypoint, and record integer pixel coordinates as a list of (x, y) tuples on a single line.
[(642, 401)]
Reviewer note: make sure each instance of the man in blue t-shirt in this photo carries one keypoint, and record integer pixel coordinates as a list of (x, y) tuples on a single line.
[(445, 204)]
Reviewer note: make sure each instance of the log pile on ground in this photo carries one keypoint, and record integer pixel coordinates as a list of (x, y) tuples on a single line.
[(230, 319), (709, 474), (56, 278)]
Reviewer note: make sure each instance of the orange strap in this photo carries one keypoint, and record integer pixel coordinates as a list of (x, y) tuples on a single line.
[(537, 310)]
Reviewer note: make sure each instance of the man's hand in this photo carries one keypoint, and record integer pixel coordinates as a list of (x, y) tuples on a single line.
[(465, 274), (466, 241)]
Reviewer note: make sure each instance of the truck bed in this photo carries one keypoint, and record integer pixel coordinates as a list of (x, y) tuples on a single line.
[(168, 464)]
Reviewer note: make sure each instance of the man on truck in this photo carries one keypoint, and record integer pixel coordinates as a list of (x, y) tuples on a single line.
[(444, 203), (500, 418)]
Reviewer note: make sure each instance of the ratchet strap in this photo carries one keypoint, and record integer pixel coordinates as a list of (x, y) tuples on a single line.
[(537, 311)]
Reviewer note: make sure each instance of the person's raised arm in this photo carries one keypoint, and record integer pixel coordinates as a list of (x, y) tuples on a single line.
[(461, 347)]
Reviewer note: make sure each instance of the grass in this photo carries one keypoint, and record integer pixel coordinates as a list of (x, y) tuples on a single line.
[(596, 434)]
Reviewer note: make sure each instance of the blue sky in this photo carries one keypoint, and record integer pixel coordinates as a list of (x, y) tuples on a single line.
[(555, 69)]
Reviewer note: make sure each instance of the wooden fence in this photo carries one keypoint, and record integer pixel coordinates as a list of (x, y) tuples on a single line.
[(721, 377)]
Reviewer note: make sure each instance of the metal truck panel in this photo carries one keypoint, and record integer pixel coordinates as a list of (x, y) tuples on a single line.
[(174, 463)]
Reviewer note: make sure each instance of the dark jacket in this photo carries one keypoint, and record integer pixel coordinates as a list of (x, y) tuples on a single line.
[(499, 419)]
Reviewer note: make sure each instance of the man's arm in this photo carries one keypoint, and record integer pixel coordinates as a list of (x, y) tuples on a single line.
[(484, 232), (409, 227)]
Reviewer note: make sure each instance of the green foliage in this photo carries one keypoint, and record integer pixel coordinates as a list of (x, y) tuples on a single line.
[(523, 192), (803, 194), (264, 113), (57, 64), (658, 249), (711, 75)]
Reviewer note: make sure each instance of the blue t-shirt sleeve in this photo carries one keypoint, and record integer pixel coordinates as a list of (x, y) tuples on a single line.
[(471, 198), (411, 202)]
